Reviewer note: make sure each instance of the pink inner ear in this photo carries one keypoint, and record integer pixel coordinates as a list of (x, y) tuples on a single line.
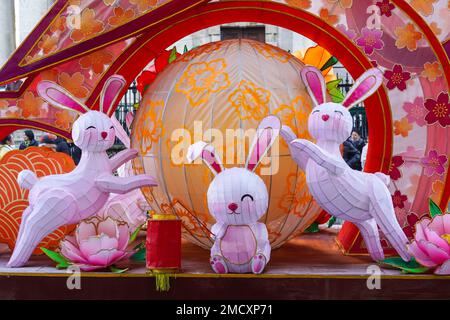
[(315, 85), (210, 158), (360, 91), (261, 146), (61, 98), (112, 90)]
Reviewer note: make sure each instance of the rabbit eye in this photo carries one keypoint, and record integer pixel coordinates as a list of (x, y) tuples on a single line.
[(316, 111), (336, 111), (112, 127), (246, 195), (91, 127)]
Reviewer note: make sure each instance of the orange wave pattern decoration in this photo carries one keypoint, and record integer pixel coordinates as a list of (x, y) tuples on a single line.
[(14, 200)]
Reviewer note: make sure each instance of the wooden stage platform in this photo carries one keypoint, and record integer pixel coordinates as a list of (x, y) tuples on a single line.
[(309, 267)]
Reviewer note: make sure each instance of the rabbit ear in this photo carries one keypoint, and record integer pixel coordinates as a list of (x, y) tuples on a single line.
[(268, 130), (129, 119), (60, 97), (208, 155), (364, 87), (315, 84), (120, 132), (110, 92)]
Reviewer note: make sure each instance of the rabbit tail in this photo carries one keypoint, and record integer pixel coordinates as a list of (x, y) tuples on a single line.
[(27, 179)]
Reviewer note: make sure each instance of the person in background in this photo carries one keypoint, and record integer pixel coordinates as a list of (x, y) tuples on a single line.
[(56, 143), (75, 153), (357, 141), (351, 155), (62, 145), (28, 140), (6, 145)]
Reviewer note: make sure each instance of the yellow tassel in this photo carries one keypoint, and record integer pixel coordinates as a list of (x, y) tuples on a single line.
[(162, 282)]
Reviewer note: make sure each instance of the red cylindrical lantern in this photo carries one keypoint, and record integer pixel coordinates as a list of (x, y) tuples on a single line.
[(164, 243)]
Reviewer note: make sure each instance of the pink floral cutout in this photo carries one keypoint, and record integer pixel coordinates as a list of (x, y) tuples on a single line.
[(394, 172), (415, 112), (370, 40), (434, 163), (397, 78), (439, 110)]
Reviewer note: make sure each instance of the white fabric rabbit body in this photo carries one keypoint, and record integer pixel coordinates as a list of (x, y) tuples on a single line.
[(62, 199), (237, 198), (359, 197)]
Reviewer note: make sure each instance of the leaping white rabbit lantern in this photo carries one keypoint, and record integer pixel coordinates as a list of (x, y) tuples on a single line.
[(62, 199), (237, 198), (359, 197)]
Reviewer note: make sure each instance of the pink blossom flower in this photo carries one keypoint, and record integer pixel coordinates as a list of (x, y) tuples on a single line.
[(370, 40), (399, 199), (434, 163), (431, 245), (439, 110), (416, 111), (408, 228), (397, 78), (394, 172), (386, 7), (98, 243)]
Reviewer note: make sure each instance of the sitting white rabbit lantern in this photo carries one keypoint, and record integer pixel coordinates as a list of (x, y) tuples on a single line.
[(237, 198), (359, 197), (62, 199)]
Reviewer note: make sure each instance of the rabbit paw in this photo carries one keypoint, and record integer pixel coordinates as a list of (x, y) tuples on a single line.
[(258, 263), (218, 264)]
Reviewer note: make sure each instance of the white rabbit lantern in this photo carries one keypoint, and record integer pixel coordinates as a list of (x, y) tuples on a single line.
[(359, 197), (62, 199), (237, 198)]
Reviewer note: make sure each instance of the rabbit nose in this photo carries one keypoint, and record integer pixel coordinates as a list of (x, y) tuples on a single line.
[(325, 117), (104, 134), (232, 206)]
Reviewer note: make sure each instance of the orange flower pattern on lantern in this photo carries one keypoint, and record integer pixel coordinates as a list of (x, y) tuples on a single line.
[(30, 105), (296, 116), (297, 196), (64, 119), (73, 84), (121, 16), (432, 71), (49, 74), (89, 26), (96, 61), (329, 18), (435, 28), (346, 4), (144, 5), (48, 43), (201, 79), (4, 104), (59, 24), (250, 101), (150, 125), (402, 127), (208, 48), (188, 219), (271, 52), (302, 4), (424, 7), (407, 37)]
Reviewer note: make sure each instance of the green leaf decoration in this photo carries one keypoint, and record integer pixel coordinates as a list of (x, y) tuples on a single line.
[(332, 221), (61, 262), (173, 55), (434, 209), (336, 94), (313, 228), (134, 234), (331, 62), (114, 269), (411, 266), (185, 49), (140, 255), (162, 282)]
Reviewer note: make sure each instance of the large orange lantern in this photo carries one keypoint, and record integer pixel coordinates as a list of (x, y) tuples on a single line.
[(219, 92)]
